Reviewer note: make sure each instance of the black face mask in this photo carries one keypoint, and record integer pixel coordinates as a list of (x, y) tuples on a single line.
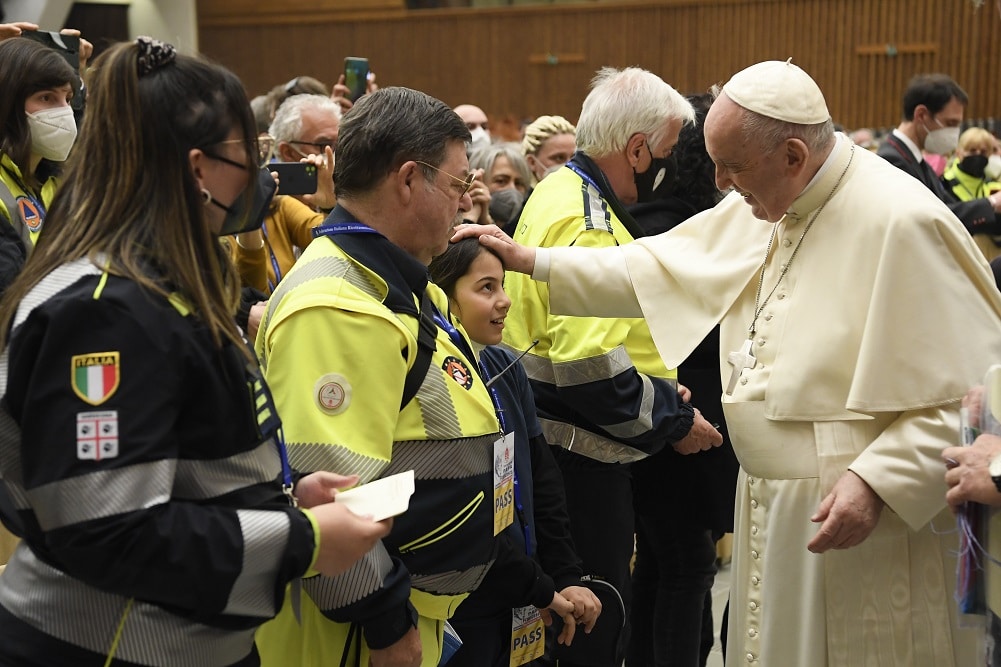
[(656, 182), (973, 165), (242, 218)]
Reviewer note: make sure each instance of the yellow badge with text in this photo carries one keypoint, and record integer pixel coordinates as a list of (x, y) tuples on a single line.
[(528, 635), (503, 483)]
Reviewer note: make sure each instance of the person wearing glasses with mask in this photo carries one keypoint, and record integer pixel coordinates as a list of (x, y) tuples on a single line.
[(304, 129), (143, 467), (933, 107)]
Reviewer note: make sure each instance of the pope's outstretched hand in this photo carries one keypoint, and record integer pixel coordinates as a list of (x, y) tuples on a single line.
[(515, 256)]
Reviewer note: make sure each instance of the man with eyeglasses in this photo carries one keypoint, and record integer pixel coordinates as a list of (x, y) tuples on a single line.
[(304, 128), (373, 376)]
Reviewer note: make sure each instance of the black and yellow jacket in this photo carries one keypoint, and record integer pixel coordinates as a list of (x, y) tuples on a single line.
[(144, 480), (600, 386), (336, 343)]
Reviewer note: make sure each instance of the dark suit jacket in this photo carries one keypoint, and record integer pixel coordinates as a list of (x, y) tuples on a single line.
[(977, 215)]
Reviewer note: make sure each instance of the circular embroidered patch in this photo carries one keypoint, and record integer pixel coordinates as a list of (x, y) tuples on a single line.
[(333, 393), (458, 371)]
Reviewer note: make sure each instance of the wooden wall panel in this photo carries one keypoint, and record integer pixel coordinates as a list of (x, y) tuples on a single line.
[(525, 61)]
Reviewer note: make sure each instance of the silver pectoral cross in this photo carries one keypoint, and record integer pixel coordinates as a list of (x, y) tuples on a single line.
[(741, 359)]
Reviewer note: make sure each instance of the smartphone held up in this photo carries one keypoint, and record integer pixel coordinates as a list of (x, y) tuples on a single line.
[(356, 76), (295, 178)]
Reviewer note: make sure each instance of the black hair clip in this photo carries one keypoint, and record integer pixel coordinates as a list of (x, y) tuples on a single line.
[(153, 54)]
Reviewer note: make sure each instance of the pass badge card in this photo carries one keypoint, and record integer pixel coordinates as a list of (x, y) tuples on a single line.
[(380, 498), (503, 483)]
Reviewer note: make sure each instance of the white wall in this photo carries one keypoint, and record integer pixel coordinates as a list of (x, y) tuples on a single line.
[(173, 21), (48, 14)]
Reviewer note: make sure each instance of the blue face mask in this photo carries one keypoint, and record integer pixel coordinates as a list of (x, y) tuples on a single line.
[(241, 217)]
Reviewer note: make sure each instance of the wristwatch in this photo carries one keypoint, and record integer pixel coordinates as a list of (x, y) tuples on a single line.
[(994, 469)]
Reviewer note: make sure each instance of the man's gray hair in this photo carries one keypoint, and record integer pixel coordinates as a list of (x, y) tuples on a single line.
[(387, 128), (770, 132), (626, 102), (287, 123)]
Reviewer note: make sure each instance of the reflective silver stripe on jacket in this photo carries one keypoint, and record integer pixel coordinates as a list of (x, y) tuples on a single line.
[(313, 456), (577, 371), (68, 609), (579, 441), (211, 478), (106, 493), (441, 421), (101, 494), (265, 536), (444, 459), (55, 282), (592, 369), (451, 583), (361, 579), (596, 213)]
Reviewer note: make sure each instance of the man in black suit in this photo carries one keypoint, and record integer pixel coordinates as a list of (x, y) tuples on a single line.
[(933, 112)]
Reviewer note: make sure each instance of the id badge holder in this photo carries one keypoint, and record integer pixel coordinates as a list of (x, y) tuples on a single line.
[(528, 635), (503, 483)]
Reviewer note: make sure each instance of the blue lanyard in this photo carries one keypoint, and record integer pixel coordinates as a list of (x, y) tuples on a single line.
[(268, 422), (580, 172), (453, 333), (334, 228), (274, 260), (517, 489)]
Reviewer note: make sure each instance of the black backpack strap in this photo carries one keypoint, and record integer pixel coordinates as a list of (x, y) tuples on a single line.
[(426, 334)]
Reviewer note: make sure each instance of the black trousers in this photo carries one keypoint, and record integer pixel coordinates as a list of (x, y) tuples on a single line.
[(671, 615), (600, 505)]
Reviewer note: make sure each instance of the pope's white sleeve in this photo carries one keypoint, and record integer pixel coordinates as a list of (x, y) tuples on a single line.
[(592, 282)]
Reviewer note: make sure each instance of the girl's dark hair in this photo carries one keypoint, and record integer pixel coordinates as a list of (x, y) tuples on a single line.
[(130, 195), (448, 267), (26, 67)]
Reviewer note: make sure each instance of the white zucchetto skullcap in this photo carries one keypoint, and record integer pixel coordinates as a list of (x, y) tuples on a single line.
[(779, 90)]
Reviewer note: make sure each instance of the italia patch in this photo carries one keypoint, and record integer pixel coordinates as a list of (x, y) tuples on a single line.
[(456, 369), (97, 435), (95, 376), (333, 393), (29, 213)]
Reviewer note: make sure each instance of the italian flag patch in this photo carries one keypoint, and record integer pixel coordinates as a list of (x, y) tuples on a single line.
[(95, 376)]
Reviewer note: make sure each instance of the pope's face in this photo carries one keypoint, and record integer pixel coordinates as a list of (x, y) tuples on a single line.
[(743, 164)]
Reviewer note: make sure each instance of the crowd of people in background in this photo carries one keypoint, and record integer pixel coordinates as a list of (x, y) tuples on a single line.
[(260, 304)]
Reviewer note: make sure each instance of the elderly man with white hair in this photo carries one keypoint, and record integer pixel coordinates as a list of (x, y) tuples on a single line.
[(604, 396)]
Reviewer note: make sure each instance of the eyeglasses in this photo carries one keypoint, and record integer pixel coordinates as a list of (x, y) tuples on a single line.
[(466, 183), (265, 149), (322, 145)]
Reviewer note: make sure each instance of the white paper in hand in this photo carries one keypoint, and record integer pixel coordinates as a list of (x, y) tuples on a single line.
[(380, 498)]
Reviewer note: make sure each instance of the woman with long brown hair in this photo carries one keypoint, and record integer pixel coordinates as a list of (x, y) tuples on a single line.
[(140, 453)]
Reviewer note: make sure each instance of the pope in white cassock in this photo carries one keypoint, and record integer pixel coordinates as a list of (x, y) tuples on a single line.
[(855, 312)]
